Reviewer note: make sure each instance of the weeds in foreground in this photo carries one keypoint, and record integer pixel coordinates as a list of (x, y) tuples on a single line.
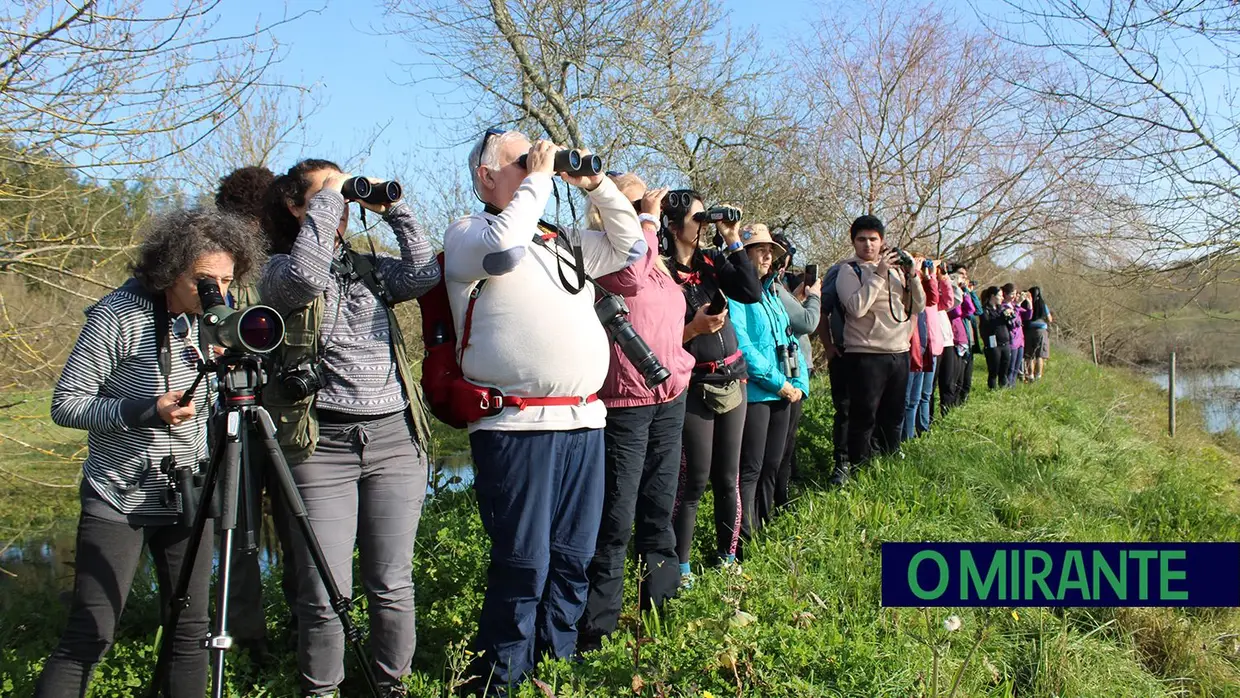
[(1076, 457)]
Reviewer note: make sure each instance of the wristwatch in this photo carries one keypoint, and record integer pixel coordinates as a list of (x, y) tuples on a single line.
[(734, 246)]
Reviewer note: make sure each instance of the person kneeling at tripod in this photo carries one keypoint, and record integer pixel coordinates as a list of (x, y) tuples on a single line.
[(349, 412), (136, 355), (526, 316)]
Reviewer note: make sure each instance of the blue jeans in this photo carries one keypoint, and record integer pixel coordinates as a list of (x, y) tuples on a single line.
[(1018, 360), (927, 392), (540, 498), (912, 399)]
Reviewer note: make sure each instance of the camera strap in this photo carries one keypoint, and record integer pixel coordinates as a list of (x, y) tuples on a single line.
[(554, 232), (163, 335)]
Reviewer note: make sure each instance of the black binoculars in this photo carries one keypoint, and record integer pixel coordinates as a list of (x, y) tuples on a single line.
[(571, 162), (362, 189), (718, 214)]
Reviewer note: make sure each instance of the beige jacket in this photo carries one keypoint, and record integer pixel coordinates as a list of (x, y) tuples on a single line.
[(869, 302)]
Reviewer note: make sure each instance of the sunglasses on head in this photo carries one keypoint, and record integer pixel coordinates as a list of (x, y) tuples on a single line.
[(490, 133)]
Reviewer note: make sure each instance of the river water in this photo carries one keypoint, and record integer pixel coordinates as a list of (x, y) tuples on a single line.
[(47, 559), (1216, 392)]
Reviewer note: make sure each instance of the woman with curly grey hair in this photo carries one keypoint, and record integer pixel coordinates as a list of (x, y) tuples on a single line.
[(122, 384)]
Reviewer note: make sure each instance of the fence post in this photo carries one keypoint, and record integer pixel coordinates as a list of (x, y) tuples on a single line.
[(1171, 396), (1093, 346)]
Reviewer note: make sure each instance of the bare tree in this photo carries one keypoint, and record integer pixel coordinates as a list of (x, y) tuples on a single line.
[(661, 88), (1149, 82), (918, 122), (98, 98)]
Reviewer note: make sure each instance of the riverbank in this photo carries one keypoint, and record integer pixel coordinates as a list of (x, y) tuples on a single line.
[(1080, 456)]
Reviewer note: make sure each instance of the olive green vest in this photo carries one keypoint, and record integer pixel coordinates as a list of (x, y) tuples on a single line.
[(297, 426)]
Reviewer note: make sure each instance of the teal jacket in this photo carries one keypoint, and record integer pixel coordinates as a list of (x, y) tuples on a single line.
[(759, 328)]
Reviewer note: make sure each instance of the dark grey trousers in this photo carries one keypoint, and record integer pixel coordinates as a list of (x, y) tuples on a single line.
[(364, 485), (108, 555)]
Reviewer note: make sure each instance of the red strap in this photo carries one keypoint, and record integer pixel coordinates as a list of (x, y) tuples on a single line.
[(469, 319), (712, 366), (500, 401)]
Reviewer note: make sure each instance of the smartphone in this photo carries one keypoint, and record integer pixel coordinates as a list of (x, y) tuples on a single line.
[(717, 304), (811, 274)]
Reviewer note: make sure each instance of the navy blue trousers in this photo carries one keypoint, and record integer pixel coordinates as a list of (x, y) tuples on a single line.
[(540, 497)]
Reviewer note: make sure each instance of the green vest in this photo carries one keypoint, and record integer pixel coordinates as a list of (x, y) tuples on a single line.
[(297, 426)]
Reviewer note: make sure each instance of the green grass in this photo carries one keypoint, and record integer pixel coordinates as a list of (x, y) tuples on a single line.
[(1081, 456)]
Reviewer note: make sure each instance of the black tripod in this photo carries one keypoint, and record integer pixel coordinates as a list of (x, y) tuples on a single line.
[(240, 377)]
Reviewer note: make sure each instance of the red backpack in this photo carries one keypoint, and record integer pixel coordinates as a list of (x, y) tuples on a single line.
[(452, 399)]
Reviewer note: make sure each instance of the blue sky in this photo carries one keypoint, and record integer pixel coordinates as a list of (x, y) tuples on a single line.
[(322, 49)]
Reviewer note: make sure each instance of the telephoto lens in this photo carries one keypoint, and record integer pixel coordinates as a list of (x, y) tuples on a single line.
[(613, 313), (362, 189), (256, 329)]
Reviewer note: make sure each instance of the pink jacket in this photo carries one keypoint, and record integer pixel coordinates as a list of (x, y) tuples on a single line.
[(657, 311), (933, 320)]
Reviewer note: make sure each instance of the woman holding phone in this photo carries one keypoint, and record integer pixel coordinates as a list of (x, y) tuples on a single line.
[(715, 409)]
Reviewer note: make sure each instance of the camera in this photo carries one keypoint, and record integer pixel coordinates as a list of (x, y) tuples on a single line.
[(301, 381), (905, 259), (362, 189), (571, 162), (613, 313), (257, 329)]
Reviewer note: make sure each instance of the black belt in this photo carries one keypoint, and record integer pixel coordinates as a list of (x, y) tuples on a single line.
[(334, 417)]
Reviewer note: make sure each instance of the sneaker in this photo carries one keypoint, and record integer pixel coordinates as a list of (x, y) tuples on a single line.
[(840, 477)]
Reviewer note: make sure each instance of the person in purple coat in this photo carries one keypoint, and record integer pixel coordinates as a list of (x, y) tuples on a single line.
[(955, 358)]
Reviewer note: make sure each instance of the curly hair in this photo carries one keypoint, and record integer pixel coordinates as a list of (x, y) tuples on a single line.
[(244, 191), (280, 225), (174, 241)]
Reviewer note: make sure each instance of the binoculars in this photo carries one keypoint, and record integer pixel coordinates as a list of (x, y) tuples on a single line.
[(572, 162), (362, 189), (717, 214)]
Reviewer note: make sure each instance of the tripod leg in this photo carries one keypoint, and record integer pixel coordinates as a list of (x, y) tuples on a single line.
[(180, 595), (219, 641), (296, 507)]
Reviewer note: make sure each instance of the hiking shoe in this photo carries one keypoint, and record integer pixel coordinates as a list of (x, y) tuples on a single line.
[(840, 477)]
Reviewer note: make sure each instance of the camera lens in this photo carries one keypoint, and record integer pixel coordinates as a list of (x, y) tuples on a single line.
[(260, 329)]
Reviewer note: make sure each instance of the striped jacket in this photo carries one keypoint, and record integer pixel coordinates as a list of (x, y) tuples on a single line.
[(109, 387)]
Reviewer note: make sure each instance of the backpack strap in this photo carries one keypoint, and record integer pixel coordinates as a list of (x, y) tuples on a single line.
[(469, 319)]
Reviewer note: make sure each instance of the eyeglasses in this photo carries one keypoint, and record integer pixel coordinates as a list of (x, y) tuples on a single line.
[(190, 353)]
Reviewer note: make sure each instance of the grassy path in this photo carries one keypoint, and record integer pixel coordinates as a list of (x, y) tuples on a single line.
[(1081, 456)]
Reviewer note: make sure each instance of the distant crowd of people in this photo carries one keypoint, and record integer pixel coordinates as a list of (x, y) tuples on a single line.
[(578, 450)]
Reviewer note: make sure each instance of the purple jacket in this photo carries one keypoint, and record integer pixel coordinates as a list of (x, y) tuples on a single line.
[(957, 315), (1018, 329), (657, 311)]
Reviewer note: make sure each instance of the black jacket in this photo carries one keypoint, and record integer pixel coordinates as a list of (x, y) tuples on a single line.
[(710, 271), (996, 323)]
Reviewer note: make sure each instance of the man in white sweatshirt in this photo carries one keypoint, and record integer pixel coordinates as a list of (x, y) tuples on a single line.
[(534, 337)]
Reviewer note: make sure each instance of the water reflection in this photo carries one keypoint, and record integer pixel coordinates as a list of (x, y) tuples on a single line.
[(1217, 393), (46, 558)]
